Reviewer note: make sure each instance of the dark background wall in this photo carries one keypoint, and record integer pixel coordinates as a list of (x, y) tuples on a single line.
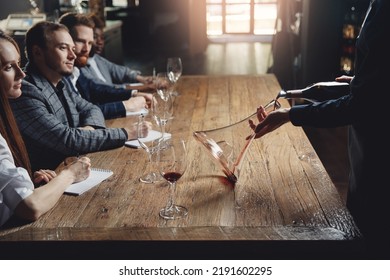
[(23, 6), (322, 37), (314, 53)]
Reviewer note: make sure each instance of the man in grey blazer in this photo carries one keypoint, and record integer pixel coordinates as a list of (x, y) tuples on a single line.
[(106, 71), (98, 67), (55, 122)]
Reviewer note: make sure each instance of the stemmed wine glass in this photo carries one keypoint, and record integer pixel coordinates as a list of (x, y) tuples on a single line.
[(172, 163), (162, 103), (163, 84), (174, 70), (149, 144)]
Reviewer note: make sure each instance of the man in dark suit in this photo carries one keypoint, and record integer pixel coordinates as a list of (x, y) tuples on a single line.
[(363, 111), (55, 122), (114, 101)]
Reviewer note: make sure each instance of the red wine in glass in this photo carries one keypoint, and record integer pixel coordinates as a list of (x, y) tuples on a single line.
[(172, 161), (172, 176)]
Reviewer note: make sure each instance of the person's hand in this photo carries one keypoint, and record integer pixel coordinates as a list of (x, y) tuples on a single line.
[(148, 97), (269, 122), (87, 127), (344, 79), (145, 79), (132, 130), (261, 115), (135, 104), (80, 169), (43, 176)]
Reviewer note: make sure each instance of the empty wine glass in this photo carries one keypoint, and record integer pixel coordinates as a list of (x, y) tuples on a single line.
[(172, 163), (149, 144), (163, 84), (162, 107), (174, 70)]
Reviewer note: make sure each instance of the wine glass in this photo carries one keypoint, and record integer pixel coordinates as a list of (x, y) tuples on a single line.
[(149, 144), (174, 70), (162, 103), (163, 84), (172, 163)]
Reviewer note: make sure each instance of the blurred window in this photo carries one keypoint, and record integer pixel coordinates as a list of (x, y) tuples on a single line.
[(256, 17)]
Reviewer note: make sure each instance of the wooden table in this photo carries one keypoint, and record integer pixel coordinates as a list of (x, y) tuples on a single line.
[(283, 192)]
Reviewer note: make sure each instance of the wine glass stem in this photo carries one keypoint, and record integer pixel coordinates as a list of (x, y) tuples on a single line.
[(150, 161), (163, 124), (174, 92), (162, 131), (171, 199)]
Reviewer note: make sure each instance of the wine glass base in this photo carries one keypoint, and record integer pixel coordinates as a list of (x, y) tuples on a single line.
[(174, 212), (150, 178)]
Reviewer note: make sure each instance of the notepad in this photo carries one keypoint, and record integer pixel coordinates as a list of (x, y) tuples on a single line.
[(95, 177)]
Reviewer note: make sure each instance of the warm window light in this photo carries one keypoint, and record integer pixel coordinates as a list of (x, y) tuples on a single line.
[(238, 17), (123, 3)]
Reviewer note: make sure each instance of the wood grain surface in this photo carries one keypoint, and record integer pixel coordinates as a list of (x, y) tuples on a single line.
[(283, 192)]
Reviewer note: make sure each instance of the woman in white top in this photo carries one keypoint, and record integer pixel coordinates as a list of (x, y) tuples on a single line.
[(17, 192)]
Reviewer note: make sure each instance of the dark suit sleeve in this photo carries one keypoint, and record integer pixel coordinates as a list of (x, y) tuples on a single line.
[(113, 110), (100, 93), (331, 113)]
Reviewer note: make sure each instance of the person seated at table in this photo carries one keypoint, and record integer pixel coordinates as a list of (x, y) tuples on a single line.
[(55, 122), (98, 36), (368, 146), (101, 68), (113, 101), (17, 192)]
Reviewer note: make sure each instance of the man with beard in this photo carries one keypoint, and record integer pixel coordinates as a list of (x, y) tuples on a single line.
[(54, 121), (113, 101)]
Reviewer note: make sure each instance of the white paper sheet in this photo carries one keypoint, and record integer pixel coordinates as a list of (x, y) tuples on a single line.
[(153, 135), (95, 177)]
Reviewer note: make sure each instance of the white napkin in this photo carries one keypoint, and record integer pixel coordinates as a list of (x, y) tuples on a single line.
[(142, 111), (152, 135)]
